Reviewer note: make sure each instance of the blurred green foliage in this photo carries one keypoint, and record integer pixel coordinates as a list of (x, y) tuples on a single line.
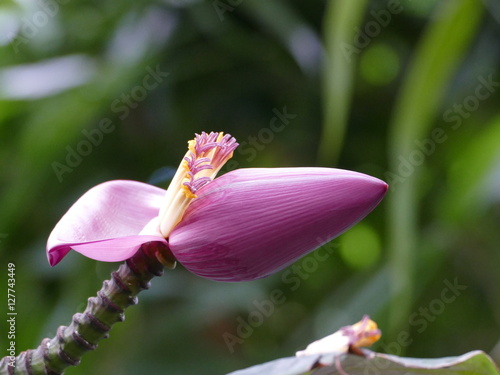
[(405, 91)]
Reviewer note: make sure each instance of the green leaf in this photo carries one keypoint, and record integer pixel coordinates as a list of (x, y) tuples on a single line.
[(282, 366), (341, 20), (472, 363), (438, 56), (466, 198)]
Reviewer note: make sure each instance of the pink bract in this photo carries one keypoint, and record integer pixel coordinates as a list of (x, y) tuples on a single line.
[(106, 222), (250, 223), (244, 225)]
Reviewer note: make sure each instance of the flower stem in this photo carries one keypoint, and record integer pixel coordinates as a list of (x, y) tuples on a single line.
[(66, 349)]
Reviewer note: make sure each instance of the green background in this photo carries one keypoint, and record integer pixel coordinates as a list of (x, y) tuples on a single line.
[(406, 91)]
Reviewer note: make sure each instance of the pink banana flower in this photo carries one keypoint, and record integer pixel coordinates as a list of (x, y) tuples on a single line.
[(244, 225)]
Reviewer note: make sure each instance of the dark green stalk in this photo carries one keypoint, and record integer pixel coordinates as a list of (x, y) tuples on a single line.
[(66, 349)]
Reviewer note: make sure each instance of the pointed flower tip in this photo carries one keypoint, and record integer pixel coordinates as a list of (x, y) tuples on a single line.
[(380, 189), (250, 223), (54, 257)]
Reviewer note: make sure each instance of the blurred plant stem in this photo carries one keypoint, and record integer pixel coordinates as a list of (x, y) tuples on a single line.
[(66, 349), (437, 58), (340, 25)]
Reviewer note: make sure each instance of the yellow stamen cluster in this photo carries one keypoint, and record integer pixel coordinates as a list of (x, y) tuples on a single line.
[(366, 331), (346, 339), (206, 155)]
